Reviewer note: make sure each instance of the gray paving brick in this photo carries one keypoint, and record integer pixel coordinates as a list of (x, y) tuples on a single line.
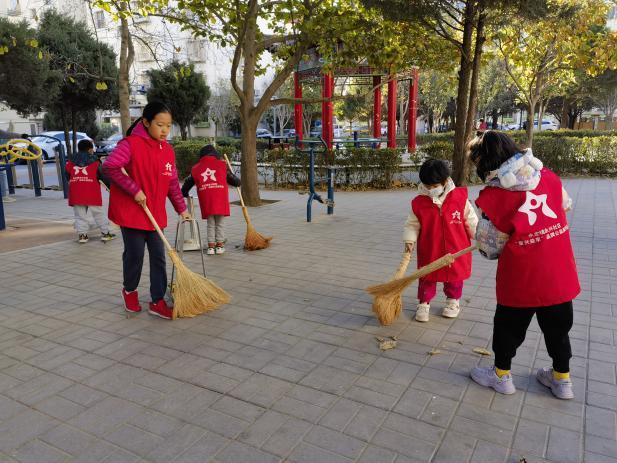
[(340, 414), (82, 395), (564, 446), (59, 407), (23, 427), (455, 448), (531, 437), (606, 447), (404, 444), (487, 451), (335, 442), (105, 415), (261, 389), (238, 451), (413, 403), (306, 453), (439, 411), (220, 423), (481, 430), (374, 454), (36, 451), (601, 422), (204, 449), (261, 430), (156, 423), (238, 408), (134, 439), (174, 445), (365, 423), (284, 439), (68, 439), (329, 379)]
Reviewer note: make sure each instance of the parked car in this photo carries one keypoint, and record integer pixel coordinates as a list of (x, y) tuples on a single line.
[(289, 133), (50, 146), (546, 125), (264, 133), (511, 127), (105, 147)]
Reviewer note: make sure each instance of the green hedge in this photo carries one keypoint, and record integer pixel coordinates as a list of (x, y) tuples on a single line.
[(568, 155), (356, 166)]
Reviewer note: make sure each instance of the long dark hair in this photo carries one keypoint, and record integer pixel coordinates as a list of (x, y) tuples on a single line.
[(150, 111), (490, 150)]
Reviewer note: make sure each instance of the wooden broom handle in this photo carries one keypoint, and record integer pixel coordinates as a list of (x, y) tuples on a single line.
[(237, 188), (157, 228)]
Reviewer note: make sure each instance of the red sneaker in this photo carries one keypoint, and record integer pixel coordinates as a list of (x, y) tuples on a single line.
[(161, 309), (131, 301)]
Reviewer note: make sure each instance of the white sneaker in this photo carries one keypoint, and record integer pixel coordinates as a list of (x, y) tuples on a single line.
[(486, 376), (219, 250), (210, 251), (561, 388), (452, 308), (422, 312)]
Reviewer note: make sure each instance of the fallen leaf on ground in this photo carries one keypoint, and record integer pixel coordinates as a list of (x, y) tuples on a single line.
[(434, 352), (387, 344), (481, 351)]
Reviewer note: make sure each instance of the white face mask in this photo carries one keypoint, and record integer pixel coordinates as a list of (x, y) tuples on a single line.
[(435, 192)]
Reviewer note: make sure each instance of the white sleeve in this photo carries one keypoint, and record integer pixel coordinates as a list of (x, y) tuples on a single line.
[(471, 220), (412, 229), (566, 200)]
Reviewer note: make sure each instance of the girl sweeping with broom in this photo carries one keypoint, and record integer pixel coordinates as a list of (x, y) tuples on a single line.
[(151, 178), (524, 225), (441, 221)]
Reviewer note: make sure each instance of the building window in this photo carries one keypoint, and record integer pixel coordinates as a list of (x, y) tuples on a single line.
[(99, 19), (14, 8)]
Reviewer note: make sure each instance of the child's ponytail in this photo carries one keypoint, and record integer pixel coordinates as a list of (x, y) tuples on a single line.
[(133, 125)]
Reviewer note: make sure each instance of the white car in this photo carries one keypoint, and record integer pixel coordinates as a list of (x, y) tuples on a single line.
[(546, 125), (50, 146), (264, 133)]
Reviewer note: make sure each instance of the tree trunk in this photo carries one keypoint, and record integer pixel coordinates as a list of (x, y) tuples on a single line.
[(462, 97), (249, 117), (431, 121), (183, 132), (564, 122), (495, 117), (127, 54), (531, 111), (67, 138), (475, 77), (248, 169)]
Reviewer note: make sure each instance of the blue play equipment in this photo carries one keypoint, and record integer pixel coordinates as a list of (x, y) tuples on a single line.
[(34, 169), (313, 195)]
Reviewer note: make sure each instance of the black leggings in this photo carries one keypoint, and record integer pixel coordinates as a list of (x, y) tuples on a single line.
[(133, 261), (510, 327)]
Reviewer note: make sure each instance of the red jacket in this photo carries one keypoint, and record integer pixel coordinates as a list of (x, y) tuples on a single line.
[(443, 231), (151, 167), (84, 188), (536, 267), (210, 175)]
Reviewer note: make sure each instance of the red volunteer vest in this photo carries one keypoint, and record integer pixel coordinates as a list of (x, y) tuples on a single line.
[(151, 167), (210, 175), (84, 188), (537, 266), (443, 231)]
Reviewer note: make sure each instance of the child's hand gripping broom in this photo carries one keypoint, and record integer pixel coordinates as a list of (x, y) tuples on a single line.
[(194, 294), (253, 240), (387, 296)]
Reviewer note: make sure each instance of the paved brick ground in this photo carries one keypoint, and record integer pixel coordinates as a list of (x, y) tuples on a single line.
[(290, 370)]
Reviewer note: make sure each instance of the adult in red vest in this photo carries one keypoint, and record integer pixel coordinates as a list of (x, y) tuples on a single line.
[(211, 175), (150, 164), (524, 225), (441, 221), (84, 172)]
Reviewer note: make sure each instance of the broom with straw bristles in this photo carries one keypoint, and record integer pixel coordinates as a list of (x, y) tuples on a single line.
[(253, 240), (387, 308), (193, 294), (387, 301)]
